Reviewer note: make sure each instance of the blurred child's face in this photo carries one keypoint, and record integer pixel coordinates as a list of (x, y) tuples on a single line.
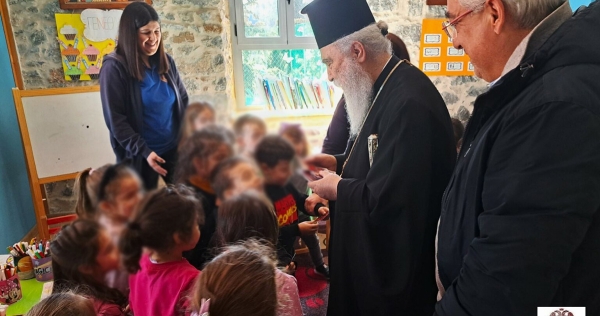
[(299, 147), (125, 199), (194, 237), (205, 168), (107, 258), (203, 119), (244, 177), (252, 134), (279, 174)]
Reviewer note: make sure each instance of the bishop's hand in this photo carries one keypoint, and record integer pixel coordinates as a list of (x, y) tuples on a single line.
[(327, 187), (322, 161)]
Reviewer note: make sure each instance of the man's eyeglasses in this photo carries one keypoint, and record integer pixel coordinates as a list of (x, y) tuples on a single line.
[(449, 26)]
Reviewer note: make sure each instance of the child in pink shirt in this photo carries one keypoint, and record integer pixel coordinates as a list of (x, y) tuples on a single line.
[(166, 224)]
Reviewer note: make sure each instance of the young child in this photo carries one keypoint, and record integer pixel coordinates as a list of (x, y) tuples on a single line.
[(249, 130), (86, 191), (198, 157), (63, 304), (166, 224), (109, 195), (240, 281), (249, 216), (294, 134), (82, 254), (198, 115), (235, 175), (119, 192), (274, 156)]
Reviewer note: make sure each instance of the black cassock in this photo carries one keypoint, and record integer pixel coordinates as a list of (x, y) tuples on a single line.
[(382, 243)]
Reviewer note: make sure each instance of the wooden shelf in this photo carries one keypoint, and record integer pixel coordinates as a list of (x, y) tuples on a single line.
[(69, 5), (269, 114), (436, 2)]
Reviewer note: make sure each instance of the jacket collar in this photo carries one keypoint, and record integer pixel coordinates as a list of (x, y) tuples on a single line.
[(538, 36)]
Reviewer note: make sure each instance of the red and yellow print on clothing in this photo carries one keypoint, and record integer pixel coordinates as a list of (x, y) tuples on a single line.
[(286, 210)]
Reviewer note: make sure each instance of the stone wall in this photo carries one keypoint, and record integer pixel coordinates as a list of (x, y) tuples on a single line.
[(197, 34), (404, 19)]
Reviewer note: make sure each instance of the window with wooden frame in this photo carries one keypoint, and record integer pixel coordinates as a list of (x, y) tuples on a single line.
[(277, 65)]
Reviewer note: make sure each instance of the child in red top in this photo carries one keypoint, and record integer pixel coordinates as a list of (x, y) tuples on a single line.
[(166, 224), (274, 156), (82, 254)]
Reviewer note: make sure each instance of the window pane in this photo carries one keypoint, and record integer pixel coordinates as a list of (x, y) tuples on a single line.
[(261, 18), (301, 24), (287, 79)]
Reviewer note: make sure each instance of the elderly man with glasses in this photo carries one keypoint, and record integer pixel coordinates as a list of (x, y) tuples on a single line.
[(520, 222)]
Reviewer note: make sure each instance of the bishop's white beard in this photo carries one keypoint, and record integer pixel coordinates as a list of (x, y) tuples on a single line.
[(357, 86)]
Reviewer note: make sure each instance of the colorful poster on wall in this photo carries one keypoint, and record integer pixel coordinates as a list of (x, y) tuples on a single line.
[(84, 40), (438, 56)]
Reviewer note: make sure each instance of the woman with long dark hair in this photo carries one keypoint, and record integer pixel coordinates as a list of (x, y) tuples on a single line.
[(143, 97)]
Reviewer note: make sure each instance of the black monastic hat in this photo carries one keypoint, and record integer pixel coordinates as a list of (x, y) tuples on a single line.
[(334, 19)]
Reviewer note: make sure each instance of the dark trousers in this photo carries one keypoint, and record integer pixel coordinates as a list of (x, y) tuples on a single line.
[(150, 177)]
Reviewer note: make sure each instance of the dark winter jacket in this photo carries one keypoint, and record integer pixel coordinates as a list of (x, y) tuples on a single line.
[(123, 108), (520, 222)]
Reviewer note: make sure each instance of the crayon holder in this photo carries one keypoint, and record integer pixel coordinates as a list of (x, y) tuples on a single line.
[(10, 290), (43, 269), (24, 267)]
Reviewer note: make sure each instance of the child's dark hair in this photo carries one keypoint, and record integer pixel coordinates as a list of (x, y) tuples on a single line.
[(63, 304), (239, 281), (273, 149), (201, 145), (295, 133), (86, 191), (76, 246), (108, 185), (161, 214), (241, 121), (220, 179), (93, 186), (249, 215)]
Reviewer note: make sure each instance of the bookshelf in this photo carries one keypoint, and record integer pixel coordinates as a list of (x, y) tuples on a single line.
[(293, 94)]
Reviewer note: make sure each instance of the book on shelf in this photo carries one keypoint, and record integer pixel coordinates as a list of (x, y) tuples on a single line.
[(288, 93)]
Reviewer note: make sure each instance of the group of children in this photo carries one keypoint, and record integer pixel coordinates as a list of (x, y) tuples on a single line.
[(219, 241)]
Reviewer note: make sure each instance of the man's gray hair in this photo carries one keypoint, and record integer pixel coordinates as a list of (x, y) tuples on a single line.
[(371, 37), (526, 13)]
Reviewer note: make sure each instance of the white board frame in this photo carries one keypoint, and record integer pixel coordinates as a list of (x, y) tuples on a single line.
[(79, 138)]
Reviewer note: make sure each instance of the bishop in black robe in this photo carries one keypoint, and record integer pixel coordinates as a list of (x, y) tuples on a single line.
[(382, 247)]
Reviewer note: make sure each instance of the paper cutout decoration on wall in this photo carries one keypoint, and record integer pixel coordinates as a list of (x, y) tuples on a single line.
[(437, 55), (81, 55), (101, 25)]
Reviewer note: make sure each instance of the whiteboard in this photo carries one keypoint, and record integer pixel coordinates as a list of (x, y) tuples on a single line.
[(67, 133)]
